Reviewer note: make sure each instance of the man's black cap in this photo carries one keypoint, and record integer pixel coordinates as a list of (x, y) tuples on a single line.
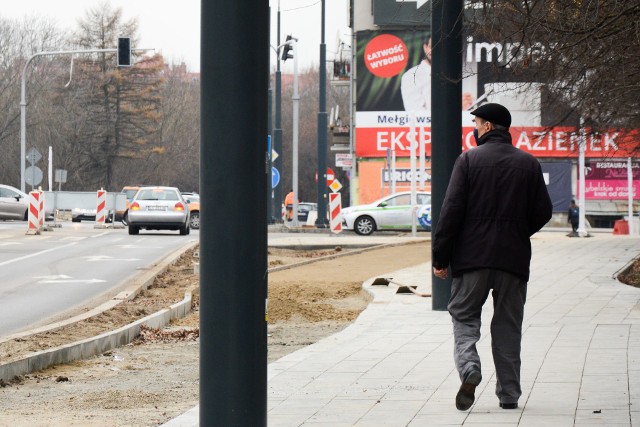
[(494, 113)]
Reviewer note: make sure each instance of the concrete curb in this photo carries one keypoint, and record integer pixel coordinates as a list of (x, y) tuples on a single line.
[(139, 283), (95, 345), (107, 341)]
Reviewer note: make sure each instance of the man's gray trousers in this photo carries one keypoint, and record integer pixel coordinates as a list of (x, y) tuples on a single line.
[(468, 294)]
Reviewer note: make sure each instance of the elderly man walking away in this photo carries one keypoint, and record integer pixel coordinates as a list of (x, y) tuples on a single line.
[(495, 201)]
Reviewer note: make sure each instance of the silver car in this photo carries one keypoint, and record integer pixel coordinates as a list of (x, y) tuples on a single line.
[(391, 212), (14, 204), (158, 208)]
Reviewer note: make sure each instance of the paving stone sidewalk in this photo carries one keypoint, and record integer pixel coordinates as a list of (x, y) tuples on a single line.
[(394, 365)]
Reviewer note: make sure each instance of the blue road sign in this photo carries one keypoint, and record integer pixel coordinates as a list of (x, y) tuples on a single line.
[(275, 177)]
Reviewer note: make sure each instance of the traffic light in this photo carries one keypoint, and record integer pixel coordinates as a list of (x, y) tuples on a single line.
[(286, 50), (124, 52)]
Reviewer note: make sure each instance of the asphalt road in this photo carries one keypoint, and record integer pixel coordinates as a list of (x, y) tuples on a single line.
[(50, 276)]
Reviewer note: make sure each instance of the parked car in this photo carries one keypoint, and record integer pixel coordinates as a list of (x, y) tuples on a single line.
[(80, 214), (391, 212), (158, 208), (14, 204), (193, 203), (304, 208)]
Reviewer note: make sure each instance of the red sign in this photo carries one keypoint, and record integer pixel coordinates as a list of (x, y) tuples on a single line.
[(539, 141), (386, 56), (330, 176)]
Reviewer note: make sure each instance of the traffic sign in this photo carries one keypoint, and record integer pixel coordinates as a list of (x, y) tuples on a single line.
[(33, 175), (33, 156), (335, 185), (275, 177), (330, 176)]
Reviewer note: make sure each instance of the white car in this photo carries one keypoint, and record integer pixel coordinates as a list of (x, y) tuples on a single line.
[(392, 212), (158, 208), (14, 204)]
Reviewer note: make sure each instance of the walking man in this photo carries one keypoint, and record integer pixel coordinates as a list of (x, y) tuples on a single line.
[(495, 201)]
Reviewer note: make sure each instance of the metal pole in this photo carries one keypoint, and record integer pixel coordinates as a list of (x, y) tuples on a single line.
[(23, 97), (446, 128), (414, 204), (353, 179), (296, 107), (582, 231), (321, 221), (269, 160), (233, 271), (277, 132), (630, 196)]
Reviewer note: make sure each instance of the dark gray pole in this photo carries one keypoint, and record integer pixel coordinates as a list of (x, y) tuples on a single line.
[(233, 238), (277, 133), (322, 221), (270, 208), (446, 123)]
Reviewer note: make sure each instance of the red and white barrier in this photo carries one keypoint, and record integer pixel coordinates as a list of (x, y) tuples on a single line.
[(101, 208), (41, 210), (335, 207), (34, 212)]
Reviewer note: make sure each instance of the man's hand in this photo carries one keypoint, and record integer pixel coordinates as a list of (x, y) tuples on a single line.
[(441, 273)]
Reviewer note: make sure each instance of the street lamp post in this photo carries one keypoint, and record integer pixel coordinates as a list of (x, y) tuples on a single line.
[(23, 97), (321, 221)]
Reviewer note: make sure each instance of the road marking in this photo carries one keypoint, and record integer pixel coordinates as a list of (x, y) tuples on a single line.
[(139, 247), (9, 243), (36, 254), (73, 238), (71, 281), (54, 277), (94, 258)]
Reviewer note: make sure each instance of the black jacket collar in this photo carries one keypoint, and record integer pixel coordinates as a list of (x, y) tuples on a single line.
[(495, 135)]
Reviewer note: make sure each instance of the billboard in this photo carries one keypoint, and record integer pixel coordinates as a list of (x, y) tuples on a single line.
[(608, 179), (393, 104)]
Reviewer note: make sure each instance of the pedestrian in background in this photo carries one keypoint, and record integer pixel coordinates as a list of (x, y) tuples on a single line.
[(495, 201), (573, 217), (288, 204)]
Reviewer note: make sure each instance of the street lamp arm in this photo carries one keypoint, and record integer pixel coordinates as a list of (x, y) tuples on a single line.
[(23, 102)]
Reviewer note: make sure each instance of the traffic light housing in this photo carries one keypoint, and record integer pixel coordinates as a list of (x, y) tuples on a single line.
[(124, 52), (286, 50)]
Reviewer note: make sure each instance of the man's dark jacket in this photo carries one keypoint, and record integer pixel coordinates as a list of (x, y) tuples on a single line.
[(495, 201)]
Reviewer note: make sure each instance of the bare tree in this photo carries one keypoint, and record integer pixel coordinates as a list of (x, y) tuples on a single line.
[(117, 110), (586, 52)]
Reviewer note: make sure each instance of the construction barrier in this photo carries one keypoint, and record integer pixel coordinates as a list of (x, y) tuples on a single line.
[(335, 207), (101, 207), (34, 212), (621, 226)]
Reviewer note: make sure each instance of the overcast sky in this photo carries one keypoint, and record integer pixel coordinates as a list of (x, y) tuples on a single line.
[(173, 28)]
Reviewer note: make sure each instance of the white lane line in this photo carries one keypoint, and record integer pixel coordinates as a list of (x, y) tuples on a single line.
[(72, 281), (36, 254), (94, 258)]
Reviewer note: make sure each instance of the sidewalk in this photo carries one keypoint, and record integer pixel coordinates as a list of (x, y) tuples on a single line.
[(394, 365)]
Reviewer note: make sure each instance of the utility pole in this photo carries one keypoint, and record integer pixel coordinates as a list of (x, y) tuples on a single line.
[(321, 221), (446, 128), (296, 122), (277, 131), (233, 271)]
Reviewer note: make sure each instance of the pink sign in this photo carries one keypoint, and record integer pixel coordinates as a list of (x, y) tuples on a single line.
[(607, 179)]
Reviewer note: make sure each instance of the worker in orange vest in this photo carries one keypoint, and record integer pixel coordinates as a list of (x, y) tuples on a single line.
[(288, 203)]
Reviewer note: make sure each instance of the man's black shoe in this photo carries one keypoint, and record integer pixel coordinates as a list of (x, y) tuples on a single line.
[(466, 394), (508, 405)]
